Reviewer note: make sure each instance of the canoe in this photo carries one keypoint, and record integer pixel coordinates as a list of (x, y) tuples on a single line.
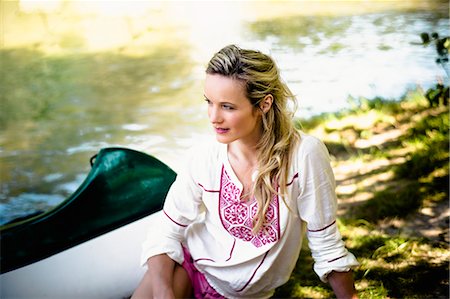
[(89, 245)]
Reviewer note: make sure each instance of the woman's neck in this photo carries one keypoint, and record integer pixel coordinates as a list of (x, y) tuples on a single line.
[(244, 162), (243, 153)]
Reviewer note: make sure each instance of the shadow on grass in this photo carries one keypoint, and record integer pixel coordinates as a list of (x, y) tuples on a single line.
[(345, 151), (388, 269), (392, 265), (424, 176), (422, 280), (389, 278), (304, 283)]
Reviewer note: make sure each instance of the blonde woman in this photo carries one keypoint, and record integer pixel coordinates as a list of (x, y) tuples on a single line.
[(234, 219)]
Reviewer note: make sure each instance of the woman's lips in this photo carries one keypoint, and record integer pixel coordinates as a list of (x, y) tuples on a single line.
[(221, 130)]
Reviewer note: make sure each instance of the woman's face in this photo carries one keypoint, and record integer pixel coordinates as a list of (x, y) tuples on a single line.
[(230, 112)]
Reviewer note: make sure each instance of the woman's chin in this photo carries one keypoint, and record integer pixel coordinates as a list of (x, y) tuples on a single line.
[(223, 139)]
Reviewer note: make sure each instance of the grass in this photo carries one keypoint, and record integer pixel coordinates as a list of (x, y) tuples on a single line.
[(391, 164)]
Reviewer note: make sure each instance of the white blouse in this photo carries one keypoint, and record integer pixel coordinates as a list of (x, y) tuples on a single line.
[(203, 211)]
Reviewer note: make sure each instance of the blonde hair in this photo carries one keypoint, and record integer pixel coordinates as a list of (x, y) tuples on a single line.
[(261, 77)]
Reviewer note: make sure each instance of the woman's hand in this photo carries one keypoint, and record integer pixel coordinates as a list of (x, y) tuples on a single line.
[(342, 284)]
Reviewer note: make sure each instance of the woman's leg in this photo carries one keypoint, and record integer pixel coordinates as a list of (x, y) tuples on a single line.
[(182, 286)]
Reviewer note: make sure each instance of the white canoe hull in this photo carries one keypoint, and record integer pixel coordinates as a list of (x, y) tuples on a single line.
[(105, 267)]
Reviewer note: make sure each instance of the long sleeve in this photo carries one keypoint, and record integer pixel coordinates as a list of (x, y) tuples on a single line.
[(182, 206), (317, 205)]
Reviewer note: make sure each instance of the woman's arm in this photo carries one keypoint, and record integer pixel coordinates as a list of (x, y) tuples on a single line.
[(164, 279), (317, 204), (342, 284), (158, 279)]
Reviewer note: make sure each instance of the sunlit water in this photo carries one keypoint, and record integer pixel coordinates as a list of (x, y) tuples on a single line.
[(62, 104)]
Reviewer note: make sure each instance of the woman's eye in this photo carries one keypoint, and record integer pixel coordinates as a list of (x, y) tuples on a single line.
[(207, 101), (227, 107)]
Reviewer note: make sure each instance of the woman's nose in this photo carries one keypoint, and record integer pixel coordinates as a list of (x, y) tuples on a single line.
[(214, 115)]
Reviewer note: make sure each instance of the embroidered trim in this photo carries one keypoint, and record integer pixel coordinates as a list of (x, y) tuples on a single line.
[(204, 259), (254, 272), (214, 191), (231, 251), (318, 230), (292, 181), (211, 260), (330, 261), (236, 215), (182, 225)]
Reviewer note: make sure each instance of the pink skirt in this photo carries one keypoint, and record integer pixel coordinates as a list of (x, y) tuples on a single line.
[(202, 289)]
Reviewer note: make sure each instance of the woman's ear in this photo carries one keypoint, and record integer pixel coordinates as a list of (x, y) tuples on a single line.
[(266, 103)]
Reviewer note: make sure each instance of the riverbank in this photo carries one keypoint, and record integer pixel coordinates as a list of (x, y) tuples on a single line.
[(77, 76), (391, 165)]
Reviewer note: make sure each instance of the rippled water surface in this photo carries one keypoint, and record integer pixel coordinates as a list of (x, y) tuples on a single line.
[(77, 77)]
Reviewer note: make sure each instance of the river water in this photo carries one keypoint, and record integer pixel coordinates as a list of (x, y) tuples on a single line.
[(80, 76)]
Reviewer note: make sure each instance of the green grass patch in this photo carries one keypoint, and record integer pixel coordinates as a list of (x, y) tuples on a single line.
[(304, 283), (395, 201), (393, 263), (430, 137)]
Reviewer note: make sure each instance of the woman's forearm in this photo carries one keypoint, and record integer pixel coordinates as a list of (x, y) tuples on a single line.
[(342, 284), (158, 279), (161, 268)]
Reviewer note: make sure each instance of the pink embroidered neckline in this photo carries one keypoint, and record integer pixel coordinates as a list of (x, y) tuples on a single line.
[(237, 215)]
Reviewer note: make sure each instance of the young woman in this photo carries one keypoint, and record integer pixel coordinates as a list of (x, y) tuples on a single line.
[(234, 219)]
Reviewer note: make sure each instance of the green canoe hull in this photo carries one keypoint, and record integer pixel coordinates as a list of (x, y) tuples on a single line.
[(123, 186)]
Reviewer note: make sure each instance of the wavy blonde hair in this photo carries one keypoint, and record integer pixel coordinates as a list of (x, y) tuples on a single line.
[(261, 77)]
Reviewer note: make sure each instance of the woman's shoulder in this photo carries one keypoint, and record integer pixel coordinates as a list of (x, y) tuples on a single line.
[(311, 153), (201, 159), (204, 152), (310, 144), (205, 149)]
